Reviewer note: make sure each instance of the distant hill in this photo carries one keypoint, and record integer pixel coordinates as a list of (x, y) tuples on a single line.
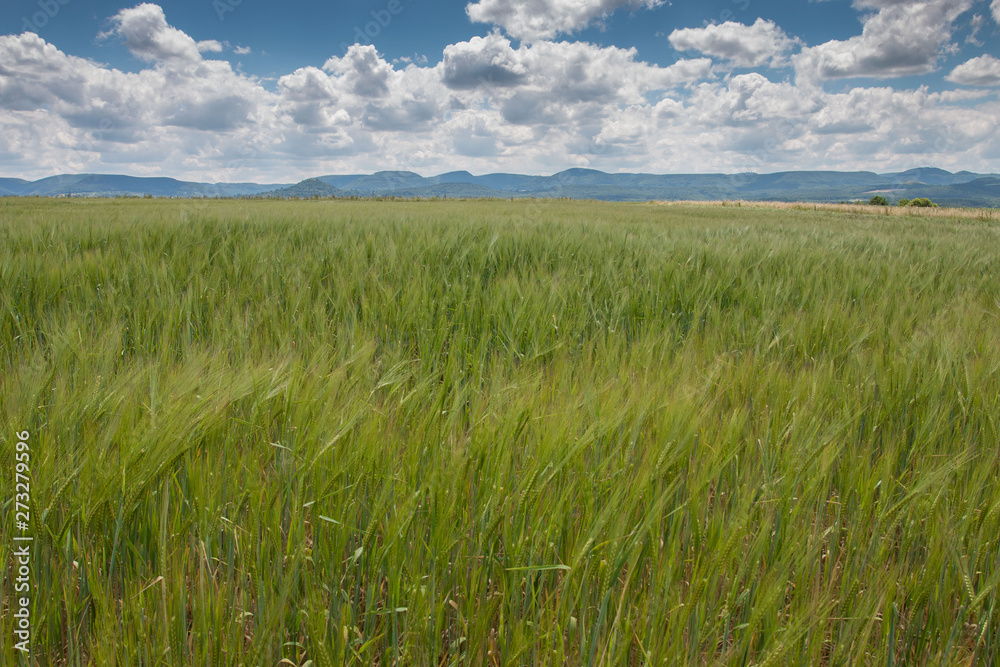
[(382, 182), (113, 185), (511, 182), (946, 188), (815, 180), (456, 177), (985, 192), (12, 186), (311, 187), (934, 176), (340, 181)]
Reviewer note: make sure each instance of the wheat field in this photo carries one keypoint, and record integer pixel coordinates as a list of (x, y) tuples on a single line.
[(501, 433)]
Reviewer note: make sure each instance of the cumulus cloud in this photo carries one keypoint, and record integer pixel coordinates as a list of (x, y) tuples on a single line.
[(995, 8), (762, 43), (686, 71), (148, 36), (363, 70), (307, 84), (902, 38), (361, 92), (533, 20), (309, 97), (482, 60), (981, 71)]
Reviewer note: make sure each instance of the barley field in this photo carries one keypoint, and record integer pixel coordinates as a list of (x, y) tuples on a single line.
[(501, 433)]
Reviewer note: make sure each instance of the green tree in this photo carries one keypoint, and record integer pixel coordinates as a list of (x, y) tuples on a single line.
[(904, 202), (878, 200)]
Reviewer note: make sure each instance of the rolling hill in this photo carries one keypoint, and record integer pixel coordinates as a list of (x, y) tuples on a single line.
[(114, 185), (963, 188), (311, 187)]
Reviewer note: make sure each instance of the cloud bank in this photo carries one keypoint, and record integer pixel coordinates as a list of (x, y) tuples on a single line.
[(492, 104)]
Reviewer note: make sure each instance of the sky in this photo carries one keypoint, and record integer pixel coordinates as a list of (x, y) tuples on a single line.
[(249, 90)]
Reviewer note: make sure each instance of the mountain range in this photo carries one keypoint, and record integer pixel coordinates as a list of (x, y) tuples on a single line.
[(943, 187)]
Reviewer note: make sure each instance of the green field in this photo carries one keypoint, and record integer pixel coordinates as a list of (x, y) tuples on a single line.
[(512, 433)]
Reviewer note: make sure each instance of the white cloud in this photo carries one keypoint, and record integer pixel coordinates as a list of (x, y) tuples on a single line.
[(975, 25), (482, 61), (148, 36), (307, 84), (242, 50), (371, 91), (534, 20), (363, 70), (902, 38), (995, 8), (686, 71), (762, 43), (309, 96), (981, 71)]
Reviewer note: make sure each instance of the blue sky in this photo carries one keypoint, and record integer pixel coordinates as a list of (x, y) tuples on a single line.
[(232, 90)]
